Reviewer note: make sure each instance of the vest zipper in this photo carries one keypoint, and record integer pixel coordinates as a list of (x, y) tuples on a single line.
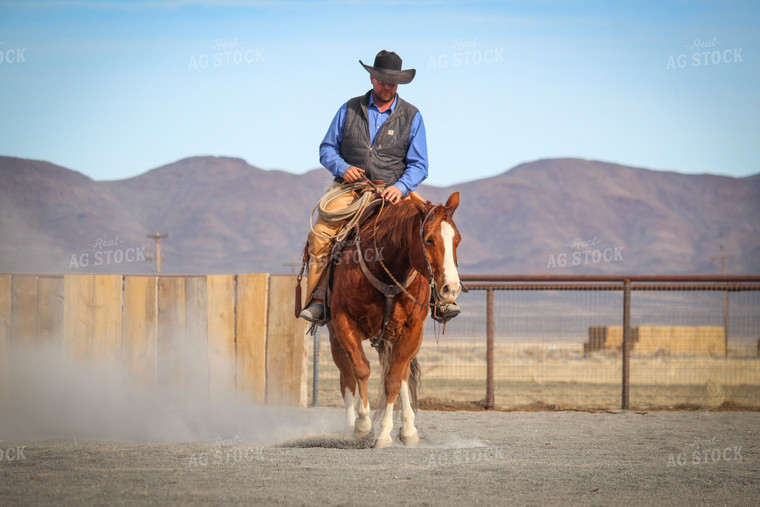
[(378, 139)]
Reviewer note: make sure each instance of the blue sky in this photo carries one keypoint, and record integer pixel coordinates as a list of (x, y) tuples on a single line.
[(113, 89)]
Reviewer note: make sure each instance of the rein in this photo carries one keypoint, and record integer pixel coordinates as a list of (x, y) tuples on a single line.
[(390, 291), (431, 281)]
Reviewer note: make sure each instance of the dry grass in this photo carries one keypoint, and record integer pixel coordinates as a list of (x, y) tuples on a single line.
[(560, 376)]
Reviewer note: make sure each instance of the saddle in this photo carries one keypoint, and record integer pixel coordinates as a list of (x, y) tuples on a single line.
[(389, 291), (324, 287)]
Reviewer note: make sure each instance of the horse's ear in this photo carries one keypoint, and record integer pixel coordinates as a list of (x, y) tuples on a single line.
[(453, 202)]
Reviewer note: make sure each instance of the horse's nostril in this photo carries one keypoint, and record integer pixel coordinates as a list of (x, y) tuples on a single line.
[(445, 290)]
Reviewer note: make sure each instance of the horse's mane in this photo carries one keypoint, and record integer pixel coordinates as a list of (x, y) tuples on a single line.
[(397, 224)]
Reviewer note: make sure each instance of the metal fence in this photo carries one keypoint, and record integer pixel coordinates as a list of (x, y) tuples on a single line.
[(639, 341)]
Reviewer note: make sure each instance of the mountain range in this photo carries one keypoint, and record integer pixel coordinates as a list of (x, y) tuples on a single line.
[(222, 215)]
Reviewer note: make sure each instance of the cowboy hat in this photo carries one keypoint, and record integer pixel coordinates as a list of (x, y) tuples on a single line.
[(387, 68)]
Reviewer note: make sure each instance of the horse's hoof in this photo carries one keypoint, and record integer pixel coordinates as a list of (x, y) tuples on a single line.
[(382, 443), (360, 433), (410, 440)]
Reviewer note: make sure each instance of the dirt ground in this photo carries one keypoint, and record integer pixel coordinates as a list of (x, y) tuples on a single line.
[(529, 458)]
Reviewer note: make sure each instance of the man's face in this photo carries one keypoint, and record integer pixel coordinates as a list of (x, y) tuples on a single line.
[(383, 92)]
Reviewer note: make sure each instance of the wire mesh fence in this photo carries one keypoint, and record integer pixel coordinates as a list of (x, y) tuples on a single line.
[(560, 344)]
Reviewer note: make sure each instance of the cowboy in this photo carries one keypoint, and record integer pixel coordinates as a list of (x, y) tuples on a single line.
[(377, 136)]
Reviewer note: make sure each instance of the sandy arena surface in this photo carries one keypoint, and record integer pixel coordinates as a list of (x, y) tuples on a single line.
[(529, 458)]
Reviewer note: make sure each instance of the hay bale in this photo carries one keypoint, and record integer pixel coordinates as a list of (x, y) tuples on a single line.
[(681, 340), (614, 338), (597, 335)]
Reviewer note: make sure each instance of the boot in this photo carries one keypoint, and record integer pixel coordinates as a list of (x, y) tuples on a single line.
[(314, 313), (445, 313)]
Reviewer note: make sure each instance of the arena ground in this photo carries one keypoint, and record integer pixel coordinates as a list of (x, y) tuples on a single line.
[(524, 458)]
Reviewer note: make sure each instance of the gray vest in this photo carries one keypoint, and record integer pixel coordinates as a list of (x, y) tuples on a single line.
[(386, 159)]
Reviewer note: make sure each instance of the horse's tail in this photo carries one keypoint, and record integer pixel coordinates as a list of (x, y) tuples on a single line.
[(415, 379), (384, 350)]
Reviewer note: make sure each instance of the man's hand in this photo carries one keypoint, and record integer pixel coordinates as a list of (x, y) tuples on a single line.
[(392, 194), (353, 174)]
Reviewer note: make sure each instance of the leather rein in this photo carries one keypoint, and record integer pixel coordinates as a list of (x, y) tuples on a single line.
[(390, 291)]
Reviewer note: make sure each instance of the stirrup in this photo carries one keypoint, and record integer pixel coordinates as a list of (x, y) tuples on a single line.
[(314, 313)]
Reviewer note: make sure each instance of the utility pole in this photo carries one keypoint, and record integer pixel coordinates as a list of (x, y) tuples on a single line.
[(158, 237), (723, 257), (293, 266)]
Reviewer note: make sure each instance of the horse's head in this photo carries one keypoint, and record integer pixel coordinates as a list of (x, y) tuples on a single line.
[(440, 238)]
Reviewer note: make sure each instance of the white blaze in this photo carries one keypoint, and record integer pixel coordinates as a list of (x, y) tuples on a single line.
[(450, 274)]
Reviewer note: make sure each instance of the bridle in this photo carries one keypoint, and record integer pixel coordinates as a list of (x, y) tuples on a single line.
[(391, 291), (430, 274)]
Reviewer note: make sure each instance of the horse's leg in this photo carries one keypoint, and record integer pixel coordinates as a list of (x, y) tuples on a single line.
[(393, 385), (408, 433), (347, 380), (397, 383), (360, 363), (352, 344)]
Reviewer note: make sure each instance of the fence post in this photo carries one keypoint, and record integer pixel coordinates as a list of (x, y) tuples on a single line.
[(489, 350), (315, 382), (626, 342)]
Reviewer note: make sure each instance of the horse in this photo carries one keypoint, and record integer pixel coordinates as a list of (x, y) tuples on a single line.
[(412, 246)]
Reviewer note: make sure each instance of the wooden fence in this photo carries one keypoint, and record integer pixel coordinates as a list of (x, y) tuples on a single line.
[(218, 334)]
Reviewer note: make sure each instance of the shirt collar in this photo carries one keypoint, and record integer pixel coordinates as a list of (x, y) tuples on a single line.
[(390, 109)]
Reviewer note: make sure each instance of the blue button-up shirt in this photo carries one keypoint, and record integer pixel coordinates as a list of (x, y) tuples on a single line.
[(416, 156)]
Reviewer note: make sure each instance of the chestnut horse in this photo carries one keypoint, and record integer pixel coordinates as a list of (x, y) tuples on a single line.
[(415, 242)]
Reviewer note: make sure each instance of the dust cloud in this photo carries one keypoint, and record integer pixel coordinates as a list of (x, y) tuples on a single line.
[(47, 394)]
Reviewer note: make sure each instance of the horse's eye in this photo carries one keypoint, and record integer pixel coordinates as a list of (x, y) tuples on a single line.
[(429, 241)]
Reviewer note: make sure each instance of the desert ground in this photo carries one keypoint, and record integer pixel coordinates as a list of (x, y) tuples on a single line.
[(496, 458)]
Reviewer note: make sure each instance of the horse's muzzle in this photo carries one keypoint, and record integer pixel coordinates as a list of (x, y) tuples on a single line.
[(449, 292)]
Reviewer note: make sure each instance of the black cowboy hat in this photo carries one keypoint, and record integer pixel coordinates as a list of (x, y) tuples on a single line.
[(387, 69)]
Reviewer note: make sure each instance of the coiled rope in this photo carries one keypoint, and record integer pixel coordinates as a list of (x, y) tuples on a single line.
[(349, 214)]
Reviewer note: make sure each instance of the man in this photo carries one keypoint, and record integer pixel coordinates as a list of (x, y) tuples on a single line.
[(378, 136)]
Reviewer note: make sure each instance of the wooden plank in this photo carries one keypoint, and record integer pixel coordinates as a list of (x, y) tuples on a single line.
[(24, 311), (171, 333), (139, 329), (220, 294), (107, 293), (50, 310), (286, 346), (5, 331), (77, 315), (251, 321), (196, 336)]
